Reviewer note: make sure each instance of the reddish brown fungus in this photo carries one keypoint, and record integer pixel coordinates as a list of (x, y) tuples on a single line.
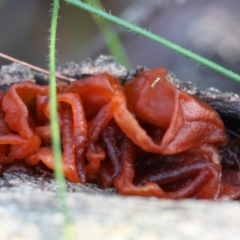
[(185, 119), (145, 138)]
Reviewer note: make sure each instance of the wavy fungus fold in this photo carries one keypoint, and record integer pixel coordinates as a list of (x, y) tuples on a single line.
[(144, 138)]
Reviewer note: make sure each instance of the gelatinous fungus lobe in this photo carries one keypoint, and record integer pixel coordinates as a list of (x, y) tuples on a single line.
[(19, 105), (100, 97), (73, 136), (187, 121), (145, 138)]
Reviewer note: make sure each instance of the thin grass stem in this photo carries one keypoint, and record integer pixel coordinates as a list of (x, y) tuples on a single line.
[(56, 141), (157, 39)]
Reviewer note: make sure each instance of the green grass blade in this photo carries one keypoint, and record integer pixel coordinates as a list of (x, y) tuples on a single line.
[(157, 39), (56, 140), (111, 38)]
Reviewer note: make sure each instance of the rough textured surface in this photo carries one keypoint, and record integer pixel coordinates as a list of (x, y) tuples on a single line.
[(228, 104), (17, 180), (29, 207), (103, 64), (30, 211), (15, 72)]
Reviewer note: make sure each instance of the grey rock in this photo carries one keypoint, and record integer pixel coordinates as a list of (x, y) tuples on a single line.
[(103, 64), (14, 73), (17, 180), (188, 87), (228, 104), (30, 210)]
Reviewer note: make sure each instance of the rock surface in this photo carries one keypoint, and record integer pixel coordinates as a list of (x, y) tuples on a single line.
[(29, 208)]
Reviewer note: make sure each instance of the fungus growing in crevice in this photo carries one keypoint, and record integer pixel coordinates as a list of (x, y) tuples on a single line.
[(144, 138)]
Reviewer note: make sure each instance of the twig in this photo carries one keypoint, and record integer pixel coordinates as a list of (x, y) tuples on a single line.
[(38, 69)]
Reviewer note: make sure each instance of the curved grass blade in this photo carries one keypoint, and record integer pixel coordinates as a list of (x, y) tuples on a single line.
[(157, 39), (111, 37)]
